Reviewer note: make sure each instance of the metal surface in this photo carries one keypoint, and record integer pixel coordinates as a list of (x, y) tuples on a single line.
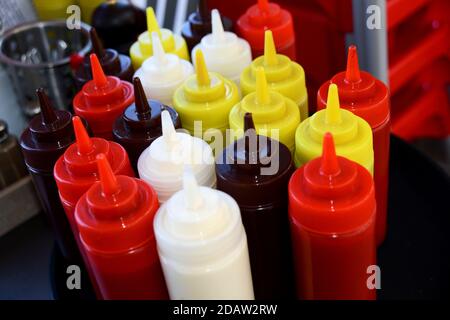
[(37, 55)]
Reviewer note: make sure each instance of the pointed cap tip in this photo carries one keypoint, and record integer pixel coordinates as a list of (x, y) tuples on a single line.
[(107, 178), (48, 114), (169, 133), (191, 189), (201, 70), (140, 99), (248, 122), (152, 23), (218, 32), (352, 73), (333, 110), (83, 141), (329, 163), (263, 5), (98, 75), (158, 49), (270, 53), (97, 45)]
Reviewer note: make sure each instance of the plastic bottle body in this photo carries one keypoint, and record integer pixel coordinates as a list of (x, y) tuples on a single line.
[(227, 278), (333, 266)]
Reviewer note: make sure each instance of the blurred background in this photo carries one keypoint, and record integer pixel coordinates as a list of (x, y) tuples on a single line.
[(411, 54)]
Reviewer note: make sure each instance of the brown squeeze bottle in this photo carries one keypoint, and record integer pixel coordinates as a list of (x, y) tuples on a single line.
[(255, 171), (140, 124), (113, 63), (44, 140), (198, 25)]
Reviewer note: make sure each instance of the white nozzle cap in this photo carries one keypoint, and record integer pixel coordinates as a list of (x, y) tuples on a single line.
[(162, 164), (192, 194), (162, 73), (224, 52)]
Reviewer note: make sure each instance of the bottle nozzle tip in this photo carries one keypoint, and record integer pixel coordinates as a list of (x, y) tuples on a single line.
[(201, 70), (191, 190), (152, 23), (97, 45), (107, 178), (83, 141), (140, 99), (263, 5), (329, 163), (333, 110), (352, 74), (270, 53), (217, 27), (98, 75), (262, 89), (48, 114)]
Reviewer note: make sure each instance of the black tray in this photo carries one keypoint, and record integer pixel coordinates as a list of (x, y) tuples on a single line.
[(414, 259)]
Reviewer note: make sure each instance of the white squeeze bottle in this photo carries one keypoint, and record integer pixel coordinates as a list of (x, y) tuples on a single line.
[(162, 73), (202, 245), (224, 52), (161, 164)]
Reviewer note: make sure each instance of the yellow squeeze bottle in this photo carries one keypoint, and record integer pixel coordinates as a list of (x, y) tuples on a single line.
[(352, 134), (274, 115), (283, 75), (207, 97), (143, 48)]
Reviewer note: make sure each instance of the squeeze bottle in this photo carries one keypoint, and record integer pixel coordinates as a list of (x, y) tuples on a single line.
[(115, 221), (102, 100), (274, 115), (204, 102), (224, 52), (264, 16), (332, 218), (368, 98), (140, 124), (198, 25), (255, 171), (283, 75), (143, 47), (113, 63), (44, 140), (76, 170), (352, 134), (162, 73), (202, 245), (161, 164)]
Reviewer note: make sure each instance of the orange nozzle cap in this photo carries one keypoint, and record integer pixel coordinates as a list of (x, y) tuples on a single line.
[(83, 141), (108, 180), (48, 115), (352, 73), (97, 72), (329, 165)]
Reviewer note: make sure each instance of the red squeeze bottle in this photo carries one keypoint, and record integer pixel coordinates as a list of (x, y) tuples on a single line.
[(368, 98), (261, 17), (115, 221), (76, 170), (102, 100), (332, 217)]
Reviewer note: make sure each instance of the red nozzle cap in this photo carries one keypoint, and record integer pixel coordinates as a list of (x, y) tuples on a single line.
[(352, 73), (330, 164), (48, 115), (108, 180), (83, 141), (97, 72)]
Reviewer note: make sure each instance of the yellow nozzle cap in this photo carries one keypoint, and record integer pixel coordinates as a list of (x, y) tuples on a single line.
[(152, 23), (333, 109), (201, 71), (262, 90), (270, 53)]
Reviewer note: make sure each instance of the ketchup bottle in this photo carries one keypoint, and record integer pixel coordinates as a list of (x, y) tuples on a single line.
[(368, 98), (113, 63), (102, 100), (332, 217), (140, 123), (199, 25), (262, 198), (261, 17), (76, 170), (44, 140), (115, 221)]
